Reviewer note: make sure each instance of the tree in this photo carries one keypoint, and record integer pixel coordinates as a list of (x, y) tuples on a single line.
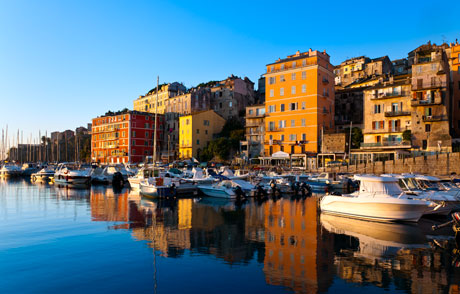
[(407, 135), (356, 137)]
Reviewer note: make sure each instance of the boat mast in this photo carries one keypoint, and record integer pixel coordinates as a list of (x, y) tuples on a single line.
[(155, 126)]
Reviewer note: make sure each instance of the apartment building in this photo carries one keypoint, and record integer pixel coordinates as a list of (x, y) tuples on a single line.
[(146, 103), (125, 136), (299, 102), (197, 130), (254, 131)]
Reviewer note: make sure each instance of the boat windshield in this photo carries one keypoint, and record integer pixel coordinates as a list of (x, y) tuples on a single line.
[(387, 188)]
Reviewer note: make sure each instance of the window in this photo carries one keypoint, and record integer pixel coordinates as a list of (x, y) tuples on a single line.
[(303, 122), (250, 111), (293, 90), (282, 66), (133, 142), (271, 127), (230, 104), (292, 122), (281, 137), (206, 132), (433, 66), (146, 134), (304, 75), (198, 142), (304, 62), (271, 80), (427, 128), (282, 107), (282, 79), (418, 69), (304, 88), (293, 106), (272, 93), (282, 124), (377, 108), (272, 68), (134, 134), (187, 121), (292, 137), (304, 105), (293, 65), (304, 137), (293, 76), (428, 111), (197, 131), (281, 91), (271, 108)]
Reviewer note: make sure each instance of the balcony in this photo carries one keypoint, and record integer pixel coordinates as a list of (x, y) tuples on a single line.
[(397, 113), (428, 85), (432, 118), (426, 102), (273, 142), (387, 144), (376, 96), (254, 115), (325, 81), (384, 131)]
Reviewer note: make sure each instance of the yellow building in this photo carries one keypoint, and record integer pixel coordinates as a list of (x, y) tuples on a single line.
[(196, 130), (147, 102), (299, 102)]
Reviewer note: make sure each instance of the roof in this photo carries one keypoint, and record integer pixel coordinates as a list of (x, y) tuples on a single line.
[(301, 56), (369, 178)]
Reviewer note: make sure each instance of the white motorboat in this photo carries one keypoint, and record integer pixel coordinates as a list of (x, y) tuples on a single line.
[(199, 177), (43, 175), (105, 175), (10, 170), (228, 173), (155, 187), (445, 203), (71, 173), (222, 189), (378, 199)]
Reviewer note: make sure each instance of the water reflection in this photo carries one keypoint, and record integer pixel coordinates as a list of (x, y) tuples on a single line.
[(294, 246)]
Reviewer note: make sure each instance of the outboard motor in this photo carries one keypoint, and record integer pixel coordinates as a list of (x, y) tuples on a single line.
[(118, 181), (260, 192), (173, 190), (295, 188), (239, 193), (274, 188), (305, 189)]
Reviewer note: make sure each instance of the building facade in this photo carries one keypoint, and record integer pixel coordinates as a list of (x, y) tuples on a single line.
[(124, 137), (231, 96), (299, 102), (146, 103), (254, 131), (196, 131)]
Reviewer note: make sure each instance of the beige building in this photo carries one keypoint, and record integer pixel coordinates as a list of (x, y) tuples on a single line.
[(197, 130), (231, 96), (255, 130), (147, 102)]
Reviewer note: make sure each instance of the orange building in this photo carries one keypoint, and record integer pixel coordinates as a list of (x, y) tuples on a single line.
[(299, 102), (125, 136), (297, 254), (455, 76)]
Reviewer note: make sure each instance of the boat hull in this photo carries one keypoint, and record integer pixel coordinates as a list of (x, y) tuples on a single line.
[(383, 210), (218, 193), (73, 180)]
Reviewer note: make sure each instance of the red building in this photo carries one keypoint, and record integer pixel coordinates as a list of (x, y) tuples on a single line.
[(125, 136)]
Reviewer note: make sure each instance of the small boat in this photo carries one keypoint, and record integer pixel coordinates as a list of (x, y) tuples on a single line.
[(43, 175), (72, 173), (378, 199), (154, 187), (222, 189), (10, 170), (228, 173), (29, 168)]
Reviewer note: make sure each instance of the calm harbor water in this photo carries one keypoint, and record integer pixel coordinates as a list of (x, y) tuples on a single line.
[(62, 240)]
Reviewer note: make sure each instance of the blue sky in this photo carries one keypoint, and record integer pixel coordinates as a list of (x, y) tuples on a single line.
[(65, 62)]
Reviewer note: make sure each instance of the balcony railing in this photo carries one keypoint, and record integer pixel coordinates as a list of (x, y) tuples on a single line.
[(389, 95), (386, 130), (428, 85), (397, 113), (387, 144), (428, 118), (426, 102)]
